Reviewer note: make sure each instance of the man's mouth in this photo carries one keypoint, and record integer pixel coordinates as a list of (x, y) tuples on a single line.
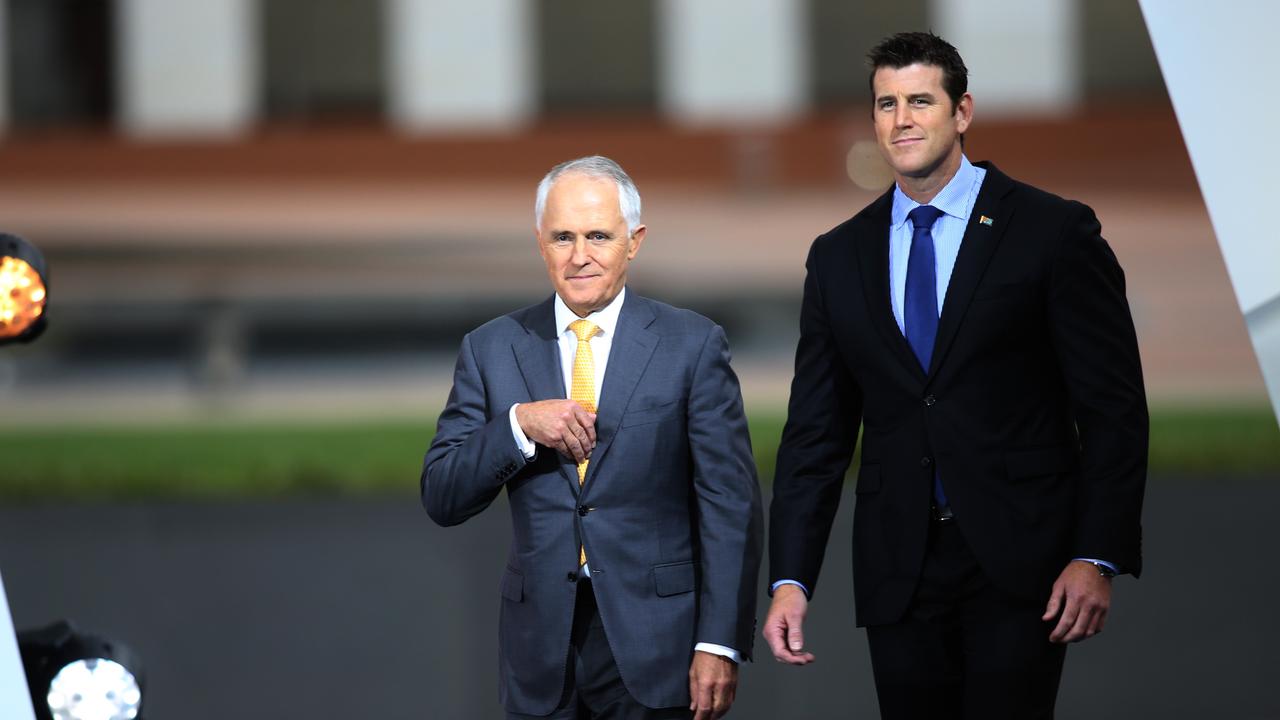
[(908, 141)]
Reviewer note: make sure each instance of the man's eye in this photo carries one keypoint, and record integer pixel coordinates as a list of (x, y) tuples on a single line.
[(597, 237), (562, 239), (886, 105)]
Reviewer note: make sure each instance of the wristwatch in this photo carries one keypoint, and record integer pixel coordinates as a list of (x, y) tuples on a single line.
[(1103, 570)]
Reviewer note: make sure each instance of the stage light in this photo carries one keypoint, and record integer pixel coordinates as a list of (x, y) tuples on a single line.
[(79, 676), (23, 290)]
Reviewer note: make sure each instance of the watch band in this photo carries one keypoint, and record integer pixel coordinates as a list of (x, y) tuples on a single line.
[(1103, 570)]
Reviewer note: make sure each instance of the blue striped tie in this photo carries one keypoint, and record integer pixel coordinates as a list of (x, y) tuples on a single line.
[(920, 314)]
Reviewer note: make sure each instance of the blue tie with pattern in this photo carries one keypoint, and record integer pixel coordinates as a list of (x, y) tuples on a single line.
[(920, 311)]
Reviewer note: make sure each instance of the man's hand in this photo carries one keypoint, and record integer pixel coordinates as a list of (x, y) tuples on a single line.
[(562, 425), (1083, 596), (782, 626), (713, 679)]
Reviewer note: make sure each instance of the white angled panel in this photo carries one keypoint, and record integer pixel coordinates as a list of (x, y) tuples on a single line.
[(1218, 62), (15, 698)]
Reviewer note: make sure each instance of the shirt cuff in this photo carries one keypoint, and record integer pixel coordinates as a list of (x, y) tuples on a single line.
[(774, 587), (1114, 569), (720, 650), (526, 446)]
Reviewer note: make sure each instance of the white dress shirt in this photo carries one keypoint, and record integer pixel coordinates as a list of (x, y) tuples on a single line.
[(606, 319)]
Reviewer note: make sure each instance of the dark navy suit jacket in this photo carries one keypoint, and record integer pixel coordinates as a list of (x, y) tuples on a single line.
[(669, 513), (1032, 410)]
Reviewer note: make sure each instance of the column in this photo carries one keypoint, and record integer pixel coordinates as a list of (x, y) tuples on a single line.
[(1023, 57), (187, 67), (455, 65), (731, 61)]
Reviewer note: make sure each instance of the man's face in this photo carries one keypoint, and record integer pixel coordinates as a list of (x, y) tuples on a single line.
[(584, 241), (917, 129)]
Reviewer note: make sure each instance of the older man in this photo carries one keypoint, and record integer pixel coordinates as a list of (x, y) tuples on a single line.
[(616, 426)]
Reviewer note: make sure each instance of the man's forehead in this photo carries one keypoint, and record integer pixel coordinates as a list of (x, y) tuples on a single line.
[(581, 194), (918, 77)]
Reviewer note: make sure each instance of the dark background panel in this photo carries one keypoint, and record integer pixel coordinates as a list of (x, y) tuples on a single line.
[(335, 609), (596, 57)]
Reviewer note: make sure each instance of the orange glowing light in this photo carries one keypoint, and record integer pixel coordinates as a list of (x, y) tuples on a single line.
[(22, 297)]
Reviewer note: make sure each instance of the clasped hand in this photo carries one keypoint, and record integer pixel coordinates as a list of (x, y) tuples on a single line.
[(562, 425)]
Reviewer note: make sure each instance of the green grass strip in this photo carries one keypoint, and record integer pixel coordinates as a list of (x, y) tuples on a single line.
[(217, 461)]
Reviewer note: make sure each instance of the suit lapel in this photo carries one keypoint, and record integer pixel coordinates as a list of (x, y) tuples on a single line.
[(538, 356), (873, 262), (633, 346), (976, 248)]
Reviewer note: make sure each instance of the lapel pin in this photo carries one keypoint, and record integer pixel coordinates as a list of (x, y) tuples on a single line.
[(984, 220)]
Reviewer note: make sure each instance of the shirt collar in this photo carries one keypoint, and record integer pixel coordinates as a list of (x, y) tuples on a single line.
[(606, 318), (952, 199)]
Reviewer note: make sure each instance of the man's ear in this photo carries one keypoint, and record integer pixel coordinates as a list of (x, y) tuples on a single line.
[(964, 113), (633, 243), (537, 240)]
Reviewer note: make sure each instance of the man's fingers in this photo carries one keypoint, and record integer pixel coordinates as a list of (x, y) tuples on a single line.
[(1067, 622), (702, 701), (1055, 602), (1099, 619), (587, 420), (773, 632), (795, 636), (724, 701), (573, 445)]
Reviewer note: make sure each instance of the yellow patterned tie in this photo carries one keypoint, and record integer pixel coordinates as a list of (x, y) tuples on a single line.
[(583, 389)]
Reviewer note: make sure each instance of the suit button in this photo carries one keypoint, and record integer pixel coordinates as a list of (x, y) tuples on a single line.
[(571, 577), (929, 400), (583, 510), (926, 461)]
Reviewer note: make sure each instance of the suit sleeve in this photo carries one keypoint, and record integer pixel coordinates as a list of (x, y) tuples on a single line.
[(1097, 349), (817, 443), (727, 501), (472, 455)]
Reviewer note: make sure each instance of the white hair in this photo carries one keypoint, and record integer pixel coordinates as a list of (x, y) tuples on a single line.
[(595, 166)]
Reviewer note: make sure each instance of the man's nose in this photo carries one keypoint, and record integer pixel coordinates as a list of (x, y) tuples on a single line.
[(580, 256), (901, 115)]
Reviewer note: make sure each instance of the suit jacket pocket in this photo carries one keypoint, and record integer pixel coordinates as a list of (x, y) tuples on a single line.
[(673, 578), (647, 415), (1038, 462), (512, 585), (868, 480)]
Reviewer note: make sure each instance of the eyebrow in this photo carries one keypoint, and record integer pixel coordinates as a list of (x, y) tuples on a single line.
[(912, 96), (606, 233)]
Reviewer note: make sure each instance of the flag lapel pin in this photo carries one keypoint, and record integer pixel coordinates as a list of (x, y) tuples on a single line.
[(984, 220)]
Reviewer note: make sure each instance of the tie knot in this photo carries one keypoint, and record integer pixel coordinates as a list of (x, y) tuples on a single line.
[(923, 217), (584, 329)]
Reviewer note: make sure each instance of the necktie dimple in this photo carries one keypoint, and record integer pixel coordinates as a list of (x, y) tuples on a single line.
[(920, 306), (583, 388)]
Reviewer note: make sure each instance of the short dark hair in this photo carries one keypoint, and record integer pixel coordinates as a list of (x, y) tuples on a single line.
[(909, 48)]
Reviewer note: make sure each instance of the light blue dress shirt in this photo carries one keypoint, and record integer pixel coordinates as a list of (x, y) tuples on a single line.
[(956, 201)]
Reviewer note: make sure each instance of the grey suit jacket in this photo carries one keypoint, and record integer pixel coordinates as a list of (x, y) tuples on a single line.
[(669, 512)]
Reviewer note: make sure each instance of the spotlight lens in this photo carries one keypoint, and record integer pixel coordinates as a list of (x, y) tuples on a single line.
[(22, 297), (94, 689)]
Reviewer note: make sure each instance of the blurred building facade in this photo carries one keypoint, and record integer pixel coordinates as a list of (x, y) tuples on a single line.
[(297, 207), (164, 68)]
